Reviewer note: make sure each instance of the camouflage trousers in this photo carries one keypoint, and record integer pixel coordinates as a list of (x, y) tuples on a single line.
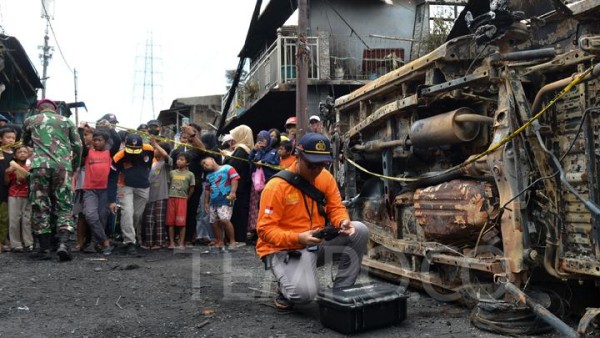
[(50, 193)]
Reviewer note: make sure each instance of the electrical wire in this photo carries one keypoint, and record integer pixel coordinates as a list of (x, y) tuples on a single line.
[(584, 116), (347, 24), (494, 146), (55, 39)]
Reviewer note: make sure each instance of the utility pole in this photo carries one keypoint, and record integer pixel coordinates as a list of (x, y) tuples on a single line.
[(45, 56), (302, 71), (76, 102), (46, 49)]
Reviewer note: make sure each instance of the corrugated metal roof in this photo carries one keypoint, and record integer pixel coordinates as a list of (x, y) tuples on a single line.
[(264, 31)]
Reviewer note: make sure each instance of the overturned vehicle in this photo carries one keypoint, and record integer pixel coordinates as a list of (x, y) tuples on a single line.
[(477, 166)]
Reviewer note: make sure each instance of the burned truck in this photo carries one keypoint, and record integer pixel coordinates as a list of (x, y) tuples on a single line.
[(477, 166)]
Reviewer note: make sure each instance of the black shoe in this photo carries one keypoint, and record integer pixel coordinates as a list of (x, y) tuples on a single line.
[(63, 252), (41, 255), (282, 303), (42, 252), (131, 250)]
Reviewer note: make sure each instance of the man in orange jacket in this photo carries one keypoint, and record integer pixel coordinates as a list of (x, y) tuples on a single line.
[(288, 219)]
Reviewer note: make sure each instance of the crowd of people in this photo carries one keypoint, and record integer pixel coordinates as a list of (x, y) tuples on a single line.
[(110, 185), (138, 189)]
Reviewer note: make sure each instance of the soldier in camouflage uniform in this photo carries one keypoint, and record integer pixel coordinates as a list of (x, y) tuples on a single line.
[(56, 153)]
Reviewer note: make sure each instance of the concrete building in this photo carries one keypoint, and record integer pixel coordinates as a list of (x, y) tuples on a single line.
[(202, 110), (351, 42)]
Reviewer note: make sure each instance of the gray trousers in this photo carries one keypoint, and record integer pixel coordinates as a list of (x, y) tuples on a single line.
[(133, 201), (19, 220), (203, 228), (298, 277), (95, 209)]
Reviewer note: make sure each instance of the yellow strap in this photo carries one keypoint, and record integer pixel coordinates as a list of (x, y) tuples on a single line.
[(164, 139), (494, 147)]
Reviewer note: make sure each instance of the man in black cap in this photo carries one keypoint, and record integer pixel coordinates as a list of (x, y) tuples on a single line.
[(134, 162), (154, 127), (111, 118), (289, 220)]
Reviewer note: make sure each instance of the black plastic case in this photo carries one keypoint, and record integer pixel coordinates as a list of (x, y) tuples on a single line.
[(362, 307)]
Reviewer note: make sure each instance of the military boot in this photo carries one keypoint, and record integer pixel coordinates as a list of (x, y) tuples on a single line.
[(43, 249), (63, 251)]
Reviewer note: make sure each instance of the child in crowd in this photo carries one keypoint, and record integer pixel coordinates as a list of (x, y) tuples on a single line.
[(7, 140), (286, 157), (221, 186), (86, 134), (19, 206), (154, 232), (181, 189), (95, 197)]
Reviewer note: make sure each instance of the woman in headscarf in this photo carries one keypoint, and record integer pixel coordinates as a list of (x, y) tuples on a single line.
[(243, 144), (262, 153)]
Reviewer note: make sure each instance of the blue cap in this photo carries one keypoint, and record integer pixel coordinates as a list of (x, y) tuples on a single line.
[(133, 144), (315, 148), (3, 118)]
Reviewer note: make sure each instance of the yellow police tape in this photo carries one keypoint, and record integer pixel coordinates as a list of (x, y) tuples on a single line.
[(12, 145), (493, 147), (168, 140)]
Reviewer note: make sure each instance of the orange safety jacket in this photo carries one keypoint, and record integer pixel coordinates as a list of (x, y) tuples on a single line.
[(283, 213)]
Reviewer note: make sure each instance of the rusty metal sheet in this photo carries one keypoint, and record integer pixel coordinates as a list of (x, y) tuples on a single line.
[(492, 266), (584, 266), (376, 87), (426, 278), (383, 112)]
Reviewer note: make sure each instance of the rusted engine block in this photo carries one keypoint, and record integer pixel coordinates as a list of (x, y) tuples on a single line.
[(455, 211)]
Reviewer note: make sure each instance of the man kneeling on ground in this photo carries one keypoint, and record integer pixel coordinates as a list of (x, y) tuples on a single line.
[(288, 219)]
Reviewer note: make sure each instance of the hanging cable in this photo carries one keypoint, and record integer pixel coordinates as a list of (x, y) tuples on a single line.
[(347, 24)]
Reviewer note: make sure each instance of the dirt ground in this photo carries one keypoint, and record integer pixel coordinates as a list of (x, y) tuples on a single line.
[(194, 293)]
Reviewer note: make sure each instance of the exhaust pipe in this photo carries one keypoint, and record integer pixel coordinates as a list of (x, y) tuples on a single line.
[(457, 126)]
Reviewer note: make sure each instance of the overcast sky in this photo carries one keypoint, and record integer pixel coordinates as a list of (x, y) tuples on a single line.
[(195, 41)]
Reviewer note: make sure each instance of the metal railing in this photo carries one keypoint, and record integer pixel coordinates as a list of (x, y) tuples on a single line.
[(331, 57), (276, 65)]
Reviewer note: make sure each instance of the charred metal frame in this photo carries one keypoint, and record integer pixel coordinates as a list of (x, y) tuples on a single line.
[(505, 86)]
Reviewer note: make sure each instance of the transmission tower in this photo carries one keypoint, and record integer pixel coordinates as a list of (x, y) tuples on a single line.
[(148, 78)]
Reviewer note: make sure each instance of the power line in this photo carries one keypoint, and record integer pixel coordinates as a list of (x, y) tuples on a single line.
[(47, 17)]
